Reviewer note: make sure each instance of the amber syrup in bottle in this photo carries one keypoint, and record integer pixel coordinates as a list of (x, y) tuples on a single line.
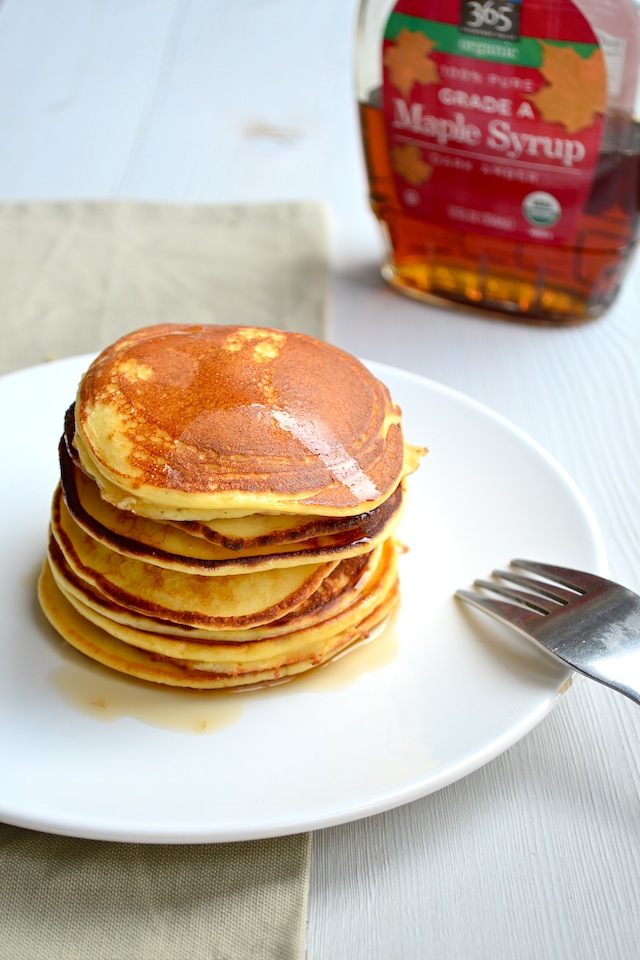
[(502, 150)]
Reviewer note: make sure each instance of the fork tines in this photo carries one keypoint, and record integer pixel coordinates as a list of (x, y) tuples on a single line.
[(588, 623), (539, 595), (576, 580)]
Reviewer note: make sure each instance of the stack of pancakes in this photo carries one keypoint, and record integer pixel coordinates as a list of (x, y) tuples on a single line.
[(226, 506)]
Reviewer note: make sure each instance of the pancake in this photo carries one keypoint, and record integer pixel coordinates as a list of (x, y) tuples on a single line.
[(268, 648), (99, 645), (227, 506), (334, 595), (188, 422), (269, 530), (247, 532), (174, 547), (224, 601)]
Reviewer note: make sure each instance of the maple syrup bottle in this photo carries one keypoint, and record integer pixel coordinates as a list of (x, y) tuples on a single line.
[(502, 150)]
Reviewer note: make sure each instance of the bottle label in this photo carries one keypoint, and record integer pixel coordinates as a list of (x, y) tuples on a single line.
[(494, 112)]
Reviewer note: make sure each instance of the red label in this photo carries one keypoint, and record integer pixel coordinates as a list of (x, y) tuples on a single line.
[(489, 134)]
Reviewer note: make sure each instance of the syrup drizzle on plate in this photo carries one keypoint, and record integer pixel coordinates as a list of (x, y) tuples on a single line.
[(106, 696)]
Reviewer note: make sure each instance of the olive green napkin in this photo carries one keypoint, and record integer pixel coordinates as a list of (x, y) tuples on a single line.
[(74, 277)]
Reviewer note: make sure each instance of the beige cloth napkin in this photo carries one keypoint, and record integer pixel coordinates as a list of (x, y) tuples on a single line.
[(92, 900), (74, 277)]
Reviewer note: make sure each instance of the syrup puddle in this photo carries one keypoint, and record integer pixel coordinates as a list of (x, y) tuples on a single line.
[(105, 696)]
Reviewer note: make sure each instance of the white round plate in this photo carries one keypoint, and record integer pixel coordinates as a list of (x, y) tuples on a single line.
[(87, 753)]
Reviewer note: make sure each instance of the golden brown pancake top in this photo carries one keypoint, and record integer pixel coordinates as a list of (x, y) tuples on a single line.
[(223, 416)]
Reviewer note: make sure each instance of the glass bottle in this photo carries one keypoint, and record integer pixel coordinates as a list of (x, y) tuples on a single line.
[(502, 150)]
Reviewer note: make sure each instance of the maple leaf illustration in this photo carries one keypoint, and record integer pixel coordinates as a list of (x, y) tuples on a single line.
[(408, 61), (408, 162), (577, 87)]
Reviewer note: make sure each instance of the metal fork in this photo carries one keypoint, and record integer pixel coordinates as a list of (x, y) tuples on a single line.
[(587, 623)]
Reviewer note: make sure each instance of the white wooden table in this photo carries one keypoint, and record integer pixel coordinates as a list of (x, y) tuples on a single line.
[(537, 855)]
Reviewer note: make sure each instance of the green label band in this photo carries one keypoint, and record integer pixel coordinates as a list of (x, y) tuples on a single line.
[(526, 52)]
